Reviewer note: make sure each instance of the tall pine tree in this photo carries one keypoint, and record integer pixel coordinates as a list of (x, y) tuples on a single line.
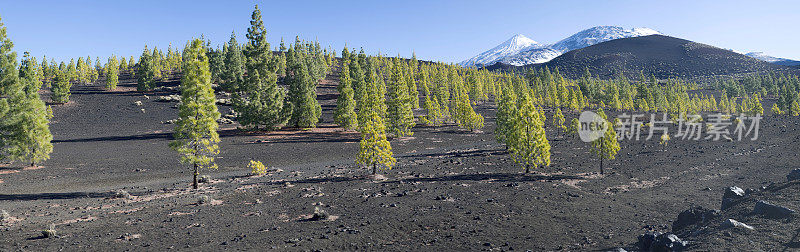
[(345, 115), (260, 101), (400, 115), (196, 134)]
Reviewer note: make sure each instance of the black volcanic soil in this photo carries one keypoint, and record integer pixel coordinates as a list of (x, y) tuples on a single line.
[(451, 189)]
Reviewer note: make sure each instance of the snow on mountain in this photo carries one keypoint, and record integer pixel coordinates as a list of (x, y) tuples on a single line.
[(512, 46), (538, 55), (773, 60), (544, 53), (599, 34)]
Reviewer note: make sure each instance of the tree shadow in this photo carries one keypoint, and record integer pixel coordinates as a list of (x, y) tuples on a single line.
[(117, 138), (54, 196), (499, 177), (792, 243), (459, 154)]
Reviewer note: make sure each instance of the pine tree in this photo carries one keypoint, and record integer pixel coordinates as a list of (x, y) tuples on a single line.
[(558, 120), (464, 115), (146, 73), (196, 134), (527, 141), (83, 77), (607, 146), (776, 110), (61, 87), (345, 115), (72, 71), (93, 72), (24, 133), (374, 149), (131, 64), (399, 109), (795, 108), (506, 114), (233, 73), (413, 90), (574, 126), (259, 100), (432, 107), (302, 90), (123, 65), (112, 73), (31, 138)]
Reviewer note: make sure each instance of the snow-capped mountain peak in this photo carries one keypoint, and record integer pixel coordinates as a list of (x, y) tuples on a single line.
[(772, 59), (512, 46), (599, 34), (762, 56), (520, 50)]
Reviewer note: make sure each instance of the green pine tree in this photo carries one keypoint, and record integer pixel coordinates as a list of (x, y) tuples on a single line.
[(464, 114), (196, 136), (374, 149), (527, 141), (399, 109), (233, 74), (302, 90), (61, 87), (112, 73), (345, 115), (146, 73), (607, 146), (259, 100), (24, 131)]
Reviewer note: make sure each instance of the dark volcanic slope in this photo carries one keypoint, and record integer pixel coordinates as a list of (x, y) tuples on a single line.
[(662, 56)]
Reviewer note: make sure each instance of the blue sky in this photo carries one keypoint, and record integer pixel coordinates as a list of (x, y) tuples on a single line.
[(448, 31)]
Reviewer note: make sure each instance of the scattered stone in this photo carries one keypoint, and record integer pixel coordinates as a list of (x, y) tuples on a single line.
[(731, 223), (204, 179), (668, 242), (203, 199), (656, 241), (319, 214), (122, 194), (137, 103), (169, 98), (223, 120), (793, 175), (49, 232), (618, 250), (695, 215), (772, 210), (224, 101), (731, 194), (645, 241), (4, 216)]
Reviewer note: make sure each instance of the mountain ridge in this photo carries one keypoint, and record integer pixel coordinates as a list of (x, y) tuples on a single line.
[(540, 53)]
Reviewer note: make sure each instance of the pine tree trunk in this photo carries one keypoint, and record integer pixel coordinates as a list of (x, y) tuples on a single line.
[(196, 172), (527, 168), (601, 157), (374, 169)]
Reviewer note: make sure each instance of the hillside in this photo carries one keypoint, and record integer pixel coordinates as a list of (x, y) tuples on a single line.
[(662, 56)]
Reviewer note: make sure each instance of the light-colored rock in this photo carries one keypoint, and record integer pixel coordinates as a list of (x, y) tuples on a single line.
[(731, 223)]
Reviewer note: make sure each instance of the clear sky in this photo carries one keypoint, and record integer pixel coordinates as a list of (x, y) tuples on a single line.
[(448, 31)]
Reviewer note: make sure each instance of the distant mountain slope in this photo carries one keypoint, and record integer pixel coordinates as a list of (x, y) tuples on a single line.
[(659, 55), (773, 60), (578, 40), (511, 46), (520, 50)]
